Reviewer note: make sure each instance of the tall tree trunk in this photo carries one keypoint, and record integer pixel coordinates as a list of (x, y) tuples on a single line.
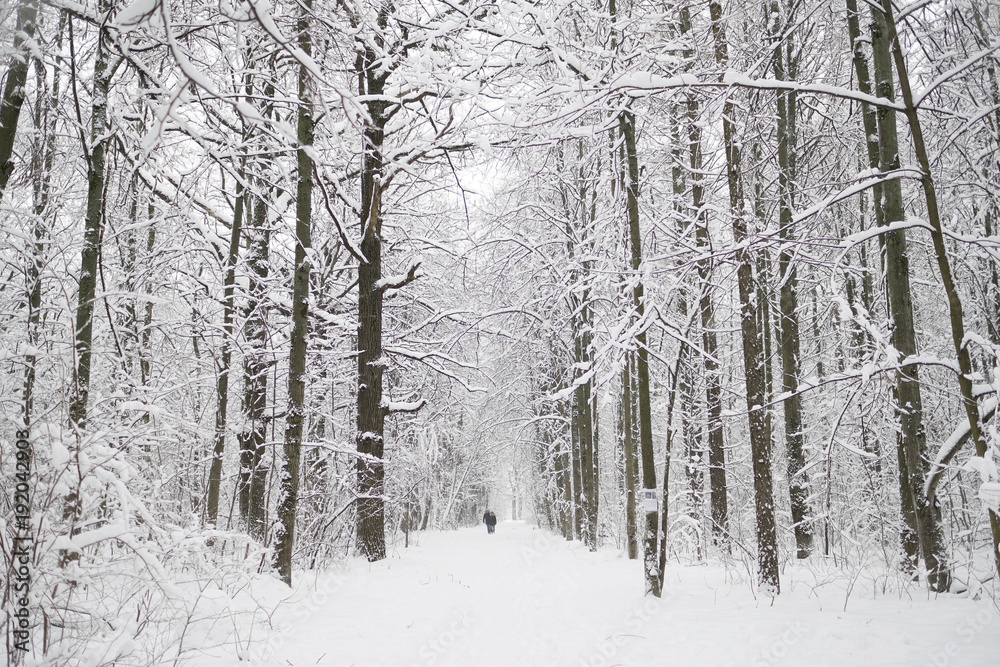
[(288, 498), (93, 227), (43, 160), (713, 383), (908, 533), (695, 449), (912, 432), (576, 454), (690, 430), (577, 234), (225, 362), (767, 543), (676, 379), (228, 314), (14, 86), (868, 113), (566, 483), (371, 416), (595, 504), (788, 329), (956, 318), (628, 444), (584, 425), (994, 306), (650, 566), (147, 320), (252, 477), (92, 231)]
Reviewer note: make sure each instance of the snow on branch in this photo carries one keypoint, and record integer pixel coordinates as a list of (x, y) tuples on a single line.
[(850, 241), (389, 407), (951, 446), (402, 280), (865, 180), (644, 82)]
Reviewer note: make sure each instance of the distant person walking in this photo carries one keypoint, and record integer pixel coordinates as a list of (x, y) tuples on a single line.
[(490, 519)]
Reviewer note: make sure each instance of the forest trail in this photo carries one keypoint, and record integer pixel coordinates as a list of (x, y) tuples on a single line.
[(525, 597)]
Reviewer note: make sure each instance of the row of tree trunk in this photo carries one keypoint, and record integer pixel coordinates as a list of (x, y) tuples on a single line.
[(922, 537)]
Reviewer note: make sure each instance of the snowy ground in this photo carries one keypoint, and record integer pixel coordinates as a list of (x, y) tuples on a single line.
[(525, 597)]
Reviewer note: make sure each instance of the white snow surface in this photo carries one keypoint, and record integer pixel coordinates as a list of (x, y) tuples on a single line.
[(526, 597)]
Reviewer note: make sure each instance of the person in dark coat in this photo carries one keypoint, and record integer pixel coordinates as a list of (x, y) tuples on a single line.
[(490, 519)]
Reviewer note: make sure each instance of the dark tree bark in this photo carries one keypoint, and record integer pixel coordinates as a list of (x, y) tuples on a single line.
[(14, 86), (956, 317), (690, 429), (628, 444), (228, 337), (288, 498), (252, 479), (913, 436), (43, 159), (371, 416), (94, 151), (595, 467), (767, 543), (585, 437), (676, 380), (650, 565), (868, 113), (908, 533), (578, 215), (566, 485), (990, 215), (576, 455), (93, 223), (788, 329), (713, 381), (147, 319), (225, 361), (251, 483)]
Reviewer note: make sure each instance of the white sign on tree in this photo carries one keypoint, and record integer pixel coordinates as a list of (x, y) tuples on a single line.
[(650, 501)]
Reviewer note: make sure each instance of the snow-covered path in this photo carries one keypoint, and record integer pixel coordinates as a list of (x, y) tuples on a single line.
[(525, 597)]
